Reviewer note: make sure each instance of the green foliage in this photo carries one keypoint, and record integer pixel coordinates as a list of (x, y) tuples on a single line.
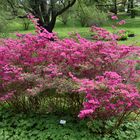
[(3, 23), (123, 37), (130, 33), (90, 15), (25, 23), (128, 130), (137, 11), (41, 127), (21, 126), (65, 17), (138, 68), (4, 35), (52, 102)]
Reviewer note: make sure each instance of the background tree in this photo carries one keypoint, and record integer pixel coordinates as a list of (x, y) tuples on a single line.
[(89, 14), (45, 10)]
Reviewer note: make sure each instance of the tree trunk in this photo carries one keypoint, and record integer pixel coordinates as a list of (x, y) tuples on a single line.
[(48, 12), (50, 25), (115, 8), (132, 9), (129, 6)]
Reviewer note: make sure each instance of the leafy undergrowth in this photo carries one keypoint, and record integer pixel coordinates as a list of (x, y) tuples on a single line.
[(19, 126), (41, 127)]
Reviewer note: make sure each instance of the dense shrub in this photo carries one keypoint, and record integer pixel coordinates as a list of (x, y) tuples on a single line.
[(108, 96), (103, 34), (66, 74)]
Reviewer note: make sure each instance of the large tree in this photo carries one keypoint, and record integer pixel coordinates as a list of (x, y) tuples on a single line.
[(45, 10)]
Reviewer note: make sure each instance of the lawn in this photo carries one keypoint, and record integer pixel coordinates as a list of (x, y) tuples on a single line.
[(64, 30)]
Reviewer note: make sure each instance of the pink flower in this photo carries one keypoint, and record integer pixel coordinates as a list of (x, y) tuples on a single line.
[(114, 17), (121, 22), (85, 113)]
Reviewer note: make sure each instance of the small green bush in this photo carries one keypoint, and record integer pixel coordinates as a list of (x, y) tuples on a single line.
[(128, 130)]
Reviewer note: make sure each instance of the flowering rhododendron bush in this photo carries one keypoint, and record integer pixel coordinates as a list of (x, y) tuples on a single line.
[(103, 34), (108, 96), (100, 76)]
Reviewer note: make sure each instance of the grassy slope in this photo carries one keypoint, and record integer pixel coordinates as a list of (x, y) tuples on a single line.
[(132, 25)]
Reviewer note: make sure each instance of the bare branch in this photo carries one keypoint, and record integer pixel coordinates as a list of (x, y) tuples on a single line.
[(70, 4)]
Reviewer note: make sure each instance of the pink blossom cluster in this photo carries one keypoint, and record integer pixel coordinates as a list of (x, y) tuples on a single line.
[(109, 96), (121, 34), (103, 34), (122, 22), (36, 55), (114, 17)]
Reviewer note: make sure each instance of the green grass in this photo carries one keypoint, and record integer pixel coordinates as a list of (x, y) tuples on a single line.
[(63, 31), (131, 24)]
